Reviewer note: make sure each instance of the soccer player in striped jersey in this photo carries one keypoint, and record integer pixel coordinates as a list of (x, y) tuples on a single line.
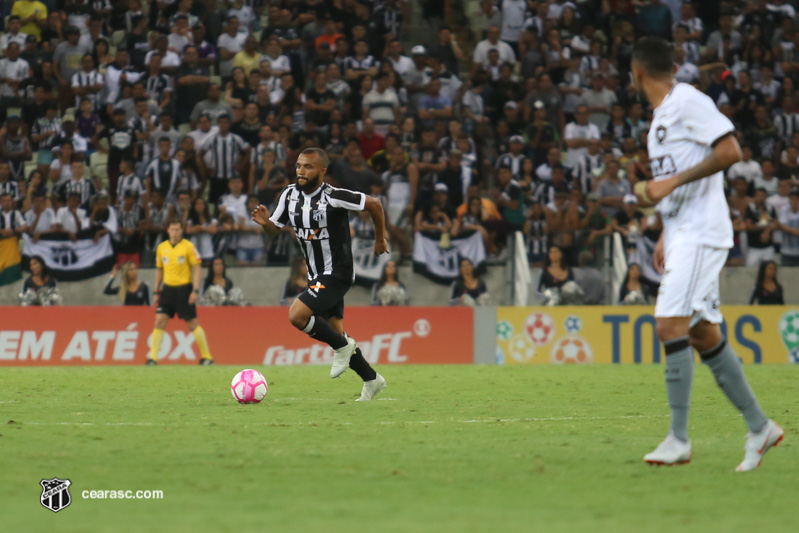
[(690, 143), (318, 214)]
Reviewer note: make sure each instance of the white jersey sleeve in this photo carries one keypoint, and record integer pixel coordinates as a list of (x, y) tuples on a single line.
[(704, 121)]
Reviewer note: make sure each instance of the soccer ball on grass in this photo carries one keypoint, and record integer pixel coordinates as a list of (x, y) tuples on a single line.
[(248, 386)]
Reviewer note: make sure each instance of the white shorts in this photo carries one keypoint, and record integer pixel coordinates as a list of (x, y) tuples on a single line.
[(690, 283), (755, 256)]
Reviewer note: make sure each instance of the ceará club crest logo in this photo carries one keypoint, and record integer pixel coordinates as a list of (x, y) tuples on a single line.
[(55, 494)]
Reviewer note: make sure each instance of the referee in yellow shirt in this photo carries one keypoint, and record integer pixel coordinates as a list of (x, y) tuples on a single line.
[(178, 267)]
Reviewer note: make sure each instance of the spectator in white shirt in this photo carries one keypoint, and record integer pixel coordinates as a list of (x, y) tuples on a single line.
[(578, 136), (401, 63), (230, 43), (13, 35), (204, 130), (746, 168), (170, 61), (492, 42), (277, 60), (72, 218), (687, 72), (599, 100), (13, 70), (39, 218)]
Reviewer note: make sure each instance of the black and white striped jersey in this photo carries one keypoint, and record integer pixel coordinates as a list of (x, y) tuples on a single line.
[(11, 187), (131, 183), (583, 172), (321, 225), (45, 125), (223, 151), (157, 86), (84, 79), (163, 175), (83, 187)]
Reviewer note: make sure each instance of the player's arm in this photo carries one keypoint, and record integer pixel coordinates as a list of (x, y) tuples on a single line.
[(261, 215), (375, 210), (726, 151)]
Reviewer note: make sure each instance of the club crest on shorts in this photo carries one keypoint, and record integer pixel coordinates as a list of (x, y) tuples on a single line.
[(660, 133), (55, 494)]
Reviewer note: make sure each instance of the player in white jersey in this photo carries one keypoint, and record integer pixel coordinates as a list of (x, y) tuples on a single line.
[(690, 143)]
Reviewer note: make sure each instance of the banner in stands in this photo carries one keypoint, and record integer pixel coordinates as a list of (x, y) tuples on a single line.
[(72, 260), (607, 334), (10, 266), (76, 336), (442, 263), (365, 263)]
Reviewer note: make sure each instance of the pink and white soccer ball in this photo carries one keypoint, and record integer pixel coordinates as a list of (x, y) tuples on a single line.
[(249, 386)]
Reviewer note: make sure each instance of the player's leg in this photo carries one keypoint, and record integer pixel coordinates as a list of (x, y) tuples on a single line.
[(373, 383), (202, 342), (722, 360), (303, 318), (673, 312), (673, 333), (307, 315), (161, 320)]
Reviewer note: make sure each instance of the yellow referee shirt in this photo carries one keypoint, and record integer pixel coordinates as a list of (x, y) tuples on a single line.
[(176, 261)]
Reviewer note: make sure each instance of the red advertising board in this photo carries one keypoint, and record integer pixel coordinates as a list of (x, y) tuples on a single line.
[(76, 336)]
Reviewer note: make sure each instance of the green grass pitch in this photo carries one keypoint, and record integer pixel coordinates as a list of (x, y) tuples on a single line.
[(444, 449)]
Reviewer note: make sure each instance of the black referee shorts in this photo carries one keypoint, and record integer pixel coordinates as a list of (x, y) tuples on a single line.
[(325, 296), (175, 299)]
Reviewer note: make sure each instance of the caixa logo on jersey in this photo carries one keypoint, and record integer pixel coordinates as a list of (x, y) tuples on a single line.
[(55, 494), (308, 234)]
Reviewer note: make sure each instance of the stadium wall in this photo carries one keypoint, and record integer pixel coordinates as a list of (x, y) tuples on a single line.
[(262, 286)]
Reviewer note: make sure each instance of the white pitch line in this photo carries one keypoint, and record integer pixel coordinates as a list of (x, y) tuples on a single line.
[(389, 422)]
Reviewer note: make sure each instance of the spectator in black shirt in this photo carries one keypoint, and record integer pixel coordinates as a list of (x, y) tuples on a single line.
[(320, 101), (468, 289), (40, 278), (217, 275), (633, 283), (768, 290), (761, 221), (192, 81), (250, 126), (121, 141), (131, 290), (556, 273)]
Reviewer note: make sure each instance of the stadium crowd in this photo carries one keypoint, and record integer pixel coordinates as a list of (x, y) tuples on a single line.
[(121, 115)]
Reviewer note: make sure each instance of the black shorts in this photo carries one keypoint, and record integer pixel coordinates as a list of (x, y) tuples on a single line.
[(325, 296), (175, 299)]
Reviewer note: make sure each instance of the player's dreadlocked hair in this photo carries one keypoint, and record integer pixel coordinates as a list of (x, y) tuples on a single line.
[(654, 54), (318, 152)]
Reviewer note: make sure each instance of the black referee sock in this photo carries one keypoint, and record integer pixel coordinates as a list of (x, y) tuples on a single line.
[(359, 365), (319, 329)]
